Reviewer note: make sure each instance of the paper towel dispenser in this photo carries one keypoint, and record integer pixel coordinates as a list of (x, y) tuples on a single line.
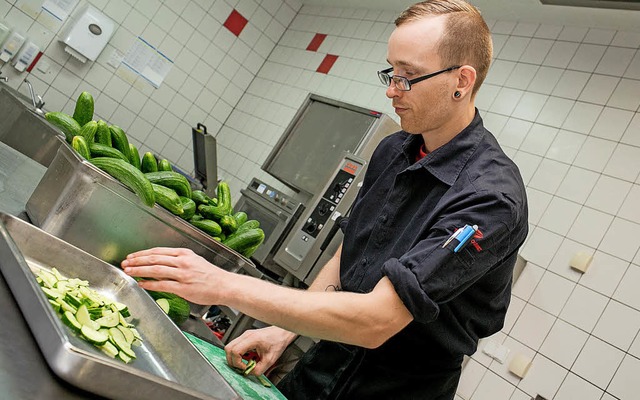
[(87, 33)]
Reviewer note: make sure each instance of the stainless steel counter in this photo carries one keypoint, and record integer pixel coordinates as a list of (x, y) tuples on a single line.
[(24, 374)]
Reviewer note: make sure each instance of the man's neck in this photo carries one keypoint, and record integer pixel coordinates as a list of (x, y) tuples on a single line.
[(455, 124)]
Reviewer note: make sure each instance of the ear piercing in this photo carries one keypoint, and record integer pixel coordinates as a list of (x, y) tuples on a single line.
[(457, 94)]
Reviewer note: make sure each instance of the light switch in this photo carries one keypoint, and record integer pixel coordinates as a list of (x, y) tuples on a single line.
[(519, 365), (581, 261)]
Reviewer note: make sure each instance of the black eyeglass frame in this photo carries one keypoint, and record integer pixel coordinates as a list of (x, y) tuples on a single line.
[(386, 79)]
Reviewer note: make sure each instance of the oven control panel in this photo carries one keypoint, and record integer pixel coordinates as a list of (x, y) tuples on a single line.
[(271, 195), (329, 201), (319, 222)]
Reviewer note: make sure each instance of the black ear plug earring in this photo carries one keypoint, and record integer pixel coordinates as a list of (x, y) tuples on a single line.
[(457, 94)]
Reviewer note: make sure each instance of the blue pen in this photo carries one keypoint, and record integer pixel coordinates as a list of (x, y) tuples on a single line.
[(468, 232), (453, 236)]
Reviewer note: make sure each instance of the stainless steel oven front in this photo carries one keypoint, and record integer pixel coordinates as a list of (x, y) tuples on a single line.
[(276, 212)]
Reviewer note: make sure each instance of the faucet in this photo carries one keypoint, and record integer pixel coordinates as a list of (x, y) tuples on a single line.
[(37, 104)]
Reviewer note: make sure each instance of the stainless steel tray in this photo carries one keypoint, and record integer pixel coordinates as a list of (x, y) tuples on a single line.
[(168, 365), (86, 207)]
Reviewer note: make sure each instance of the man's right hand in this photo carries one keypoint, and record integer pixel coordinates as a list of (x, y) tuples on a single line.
[(269, 343)]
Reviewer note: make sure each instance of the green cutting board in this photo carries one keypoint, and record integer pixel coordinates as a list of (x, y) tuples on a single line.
[(248, 387)]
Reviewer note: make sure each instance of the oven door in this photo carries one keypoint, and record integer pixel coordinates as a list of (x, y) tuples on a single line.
[(274, 222)]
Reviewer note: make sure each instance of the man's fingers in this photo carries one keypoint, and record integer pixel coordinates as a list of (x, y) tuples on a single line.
[(153, 271), (167, 251)]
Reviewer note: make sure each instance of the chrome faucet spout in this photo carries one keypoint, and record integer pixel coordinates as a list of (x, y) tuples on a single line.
[(37, 101)]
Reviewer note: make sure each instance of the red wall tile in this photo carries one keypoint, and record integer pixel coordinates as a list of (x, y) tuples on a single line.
[(327, 63), (317, 40), (235, 22)]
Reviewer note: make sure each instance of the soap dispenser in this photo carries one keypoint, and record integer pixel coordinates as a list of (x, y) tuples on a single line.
[(87, 33)]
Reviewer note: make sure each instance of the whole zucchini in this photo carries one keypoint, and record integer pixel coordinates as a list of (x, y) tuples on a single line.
[(208, 226), (65, 122), (88, 131), (168, 198), (119, 140), (250, 224), (129, 176), (224, 203), (80, 145), (83, 111), (134, 156), (245, 240), (101, 150), (171, 179), (103, 134), (189, 207)]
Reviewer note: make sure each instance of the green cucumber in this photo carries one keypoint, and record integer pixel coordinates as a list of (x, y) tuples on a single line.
[(88, 131), (168, 198), (208, 226), (199, 197), (103, 134), (164, 165), (245, 240), (179, 309), (224, 203), (83, 111), (188, 206), (241, 217), (119, 140), (65, 122), (128, 175), (79, 144), (149, 163), (101, 150), (134, 156), (93, 336), (229, 224), (171, 179)]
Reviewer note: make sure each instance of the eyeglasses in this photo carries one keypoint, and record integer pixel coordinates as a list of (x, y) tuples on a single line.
[(404, 84)]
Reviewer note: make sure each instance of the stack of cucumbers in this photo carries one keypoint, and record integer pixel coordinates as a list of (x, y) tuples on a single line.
[(154, 181)]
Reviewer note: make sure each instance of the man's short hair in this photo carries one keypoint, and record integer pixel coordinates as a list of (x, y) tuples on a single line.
[(466, 38)]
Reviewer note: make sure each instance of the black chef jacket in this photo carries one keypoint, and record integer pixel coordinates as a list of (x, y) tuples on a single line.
[(403, 215)]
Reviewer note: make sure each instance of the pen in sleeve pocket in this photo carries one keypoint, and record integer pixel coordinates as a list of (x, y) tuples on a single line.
[(464, 237), (453, 236)]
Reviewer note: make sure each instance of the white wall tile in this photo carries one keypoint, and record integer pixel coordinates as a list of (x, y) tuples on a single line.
[(599, 36), (620, 239), (555, 111), (470, 379), (521, 75), (563, 343), (541, 246), (544, 377), (560, 215), (625, 95), (527, 282), (584, 308), (615, 61), (577, 184), (587, 57), (536, 51), (493, 387), (604, 274), (590, 227), (567, 144), (618, 325), (594, 154), (571, 84), (550, 295), (626, 39), (627, 291), (548, 31), (560, 54), (598, 362), (608, 194), (599, 89), (545, 80), (513, 48), (573, 33), (513, 312), (575, 387), (625, 384), (529, 106), (549, 175)]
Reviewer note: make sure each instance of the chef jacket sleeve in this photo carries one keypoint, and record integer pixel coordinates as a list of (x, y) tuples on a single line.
[(428, 274)]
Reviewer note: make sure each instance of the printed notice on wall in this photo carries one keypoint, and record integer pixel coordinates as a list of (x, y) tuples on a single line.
[(60, 9), (146, 61)]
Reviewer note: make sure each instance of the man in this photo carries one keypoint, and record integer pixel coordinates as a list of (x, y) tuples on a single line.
[(426, 263)]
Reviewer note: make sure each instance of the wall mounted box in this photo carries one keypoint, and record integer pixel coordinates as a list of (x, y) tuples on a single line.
[(87, 33)]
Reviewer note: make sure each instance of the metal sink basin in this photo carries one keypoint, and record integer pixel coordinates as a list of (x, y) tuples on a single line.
[(25, 130)]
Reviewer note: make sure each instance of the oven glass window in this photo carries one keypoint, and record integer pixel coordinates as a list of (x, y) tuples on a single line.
[(268, 222)]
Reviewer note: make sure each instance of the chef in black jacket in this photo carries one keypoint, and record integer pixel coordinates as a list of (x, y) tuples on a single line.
[(426, 264)]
